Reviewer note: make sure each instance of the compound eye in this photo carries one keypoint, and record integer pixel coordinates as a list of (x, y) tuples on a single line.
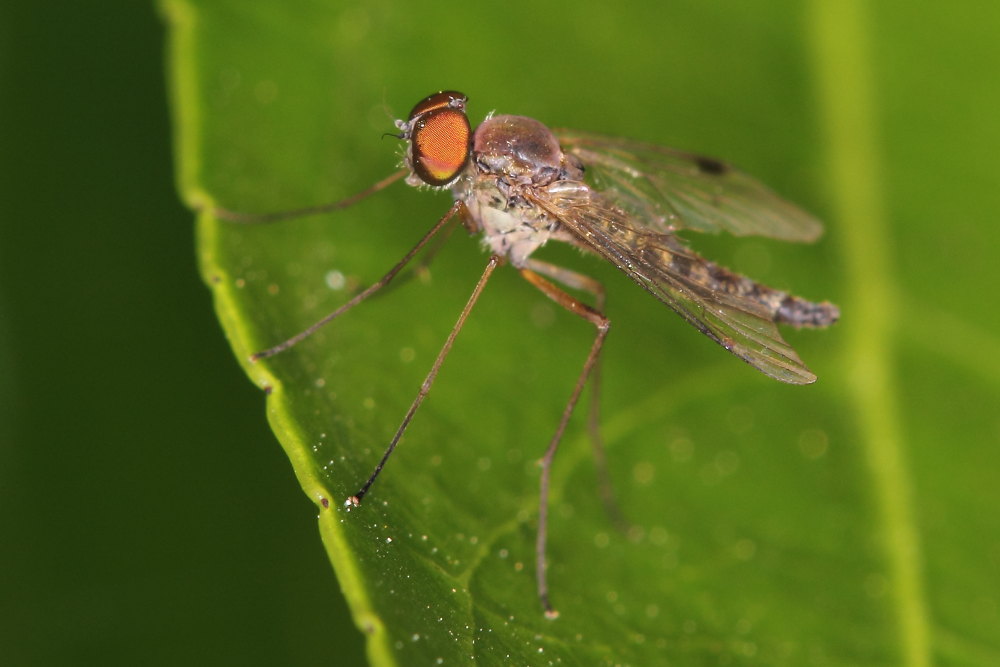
[(439, 138)]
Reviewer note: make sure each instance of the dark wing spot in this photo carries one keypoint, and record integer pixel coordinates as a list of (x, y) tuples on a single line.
[(709, 165)]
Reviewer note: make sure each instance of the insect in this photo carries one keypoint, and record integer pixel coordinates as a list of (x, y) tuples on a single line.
[(519, 184)]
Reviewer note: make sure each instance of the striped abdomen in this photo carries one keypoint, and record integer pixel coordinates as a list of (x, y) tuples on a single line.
[(785, 308)]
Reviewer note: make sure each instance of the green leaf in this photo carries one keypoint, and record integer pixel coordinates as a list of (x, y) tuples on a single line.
[(836, 523)]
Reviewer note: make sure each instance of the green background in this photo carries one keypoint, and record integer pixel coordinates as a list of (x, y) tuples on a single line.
[(148, 514)]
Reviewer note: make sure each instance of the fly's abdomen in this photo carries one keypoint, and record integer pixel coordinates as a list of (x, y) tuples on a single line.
[(785, 308), (798, 312)]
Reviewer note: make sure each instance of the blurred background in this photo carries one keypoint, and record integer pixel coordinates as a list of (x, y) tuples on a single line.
[(129, 532)]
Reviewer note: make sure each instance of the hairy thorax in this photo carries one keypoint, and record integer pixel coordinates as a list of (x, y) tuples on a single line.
[(513, 156)]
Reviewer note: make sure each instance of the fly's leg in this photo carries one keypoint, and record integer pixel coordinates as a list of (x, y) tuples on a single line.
[(259, 218), (583, 283), (264, 218), (494, 262), (420, 268), (361, 296), (602, 324)]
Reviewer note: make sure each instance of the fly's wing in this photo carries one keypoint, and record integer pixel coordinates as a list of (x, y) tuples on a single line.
[(667, 190), (656, 262)]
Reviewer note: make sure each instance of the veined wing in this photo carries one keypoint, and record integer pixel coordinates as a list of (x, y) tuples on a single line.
[(667, 190), (662, 266)]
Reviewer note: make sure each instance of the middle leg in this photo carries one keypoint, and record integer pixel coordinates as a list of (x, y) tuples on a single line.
[(583, 283), (601, 323)]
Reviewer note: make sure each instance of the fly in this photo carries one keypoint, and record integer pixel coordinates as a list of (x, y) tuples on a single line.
[(519, 184)]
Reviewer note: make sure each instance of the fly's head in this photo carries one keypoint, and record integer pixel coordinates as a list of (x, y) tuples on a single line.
[(438, 135)]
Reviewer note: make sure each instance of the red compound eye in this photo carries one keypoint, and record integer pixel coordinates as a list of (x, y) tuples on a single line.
[(439, 137)]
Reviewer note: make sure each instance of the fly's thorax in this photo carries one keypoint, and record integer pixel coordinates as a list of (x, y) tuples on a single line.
[(521, 151), (514, 158)]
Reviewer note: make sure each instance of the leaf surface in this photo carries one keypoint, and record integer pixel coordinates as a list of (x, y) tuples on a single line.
[(840, 523)]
